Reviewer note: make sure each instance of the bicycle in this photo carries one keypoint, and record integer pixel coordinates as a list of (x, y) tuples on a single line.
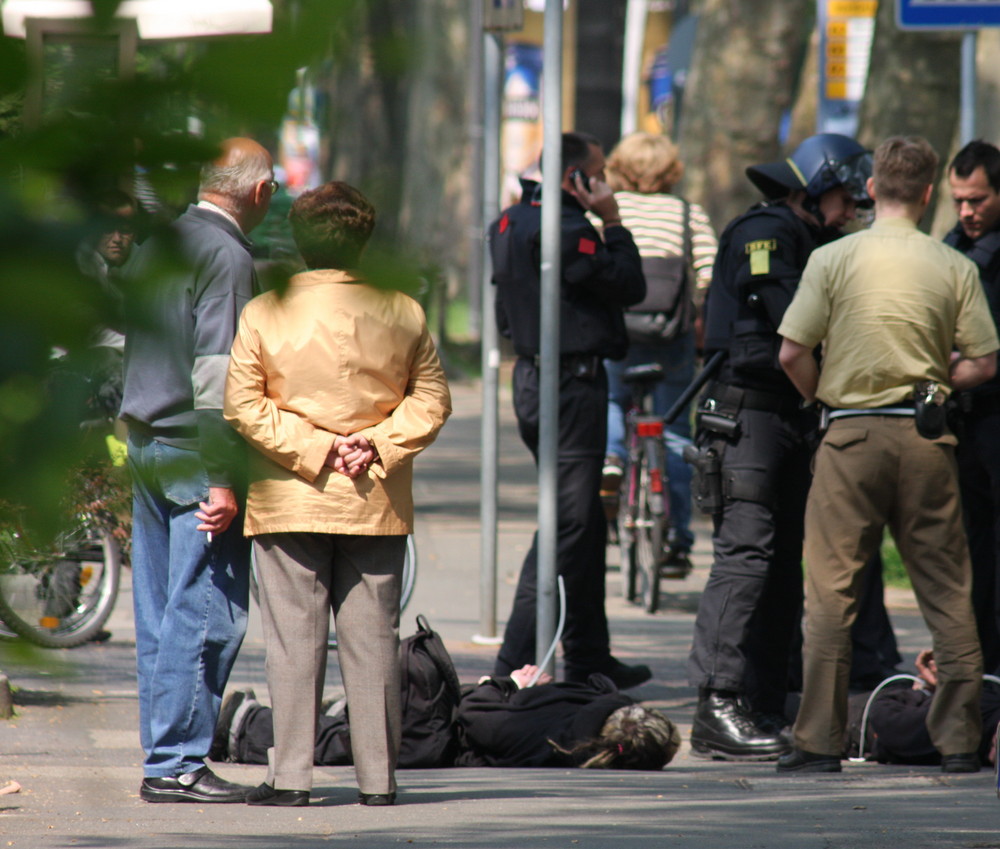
[(60, 593), (643, 520)]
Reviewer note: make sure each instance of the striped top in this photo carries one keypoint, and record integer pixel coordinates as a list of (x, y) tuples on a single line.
[(656, 223)]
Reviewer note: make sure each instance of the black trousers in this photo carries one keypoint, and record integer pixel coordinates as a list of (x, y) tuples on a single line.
[(582, 528), (752, 604), (978, 457), (748, 634), (256, 735)]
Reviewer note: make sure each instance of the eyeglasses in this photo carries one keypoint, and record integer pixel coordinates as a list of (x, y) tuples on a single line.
[(272, 185)]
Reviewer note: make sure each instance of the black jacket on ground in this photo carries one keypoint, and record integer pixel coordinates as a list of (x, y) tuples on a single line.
[(500, 725)]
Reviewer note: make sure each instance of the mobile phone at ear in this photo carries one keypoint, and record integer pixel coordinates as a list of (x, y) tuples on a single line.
[(578, 172)]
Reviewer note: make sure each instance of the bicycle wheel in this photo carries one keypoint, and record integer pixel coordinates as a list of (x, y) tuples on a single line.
[(650, 523), (63, 599)]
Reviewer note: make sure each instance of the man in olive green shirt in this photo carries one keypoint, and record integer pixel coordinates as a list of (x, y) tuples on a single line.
[(889, 306)]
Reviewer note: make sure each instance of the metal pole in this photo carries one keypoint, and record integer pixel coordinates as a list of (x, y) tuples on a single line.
[(489, 445), (548, 379), (967, 120), (477, 97), (635, 31)]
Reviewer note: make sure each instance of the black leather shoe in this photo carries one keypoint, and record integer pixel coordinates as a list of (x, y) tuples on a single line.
[(626, 676), (265, 794), (773, 723), (219, 751), (799, 760), (377, 800), (965, 762), (202, 786), (725, 730), (623, 676)]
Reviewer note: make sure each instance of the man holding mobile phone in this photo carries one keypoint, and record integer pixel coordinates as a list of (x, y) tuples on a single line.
[(600, 277)]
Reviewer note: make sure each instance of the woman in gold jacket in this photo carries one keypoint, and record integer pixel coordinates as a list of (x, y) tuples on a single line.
[(337, 385)]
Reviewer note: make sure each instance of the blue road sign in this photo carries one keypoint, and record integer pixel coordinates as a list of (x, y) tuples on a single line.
[(947, 14)]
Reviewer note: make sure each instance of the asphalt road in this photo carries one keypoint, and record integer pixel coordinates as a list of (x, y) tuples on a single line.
[(73, 746)]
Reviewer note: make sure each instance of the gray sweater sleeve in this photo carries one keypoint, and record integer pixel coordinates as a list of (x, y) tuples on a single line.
[(222, 288)]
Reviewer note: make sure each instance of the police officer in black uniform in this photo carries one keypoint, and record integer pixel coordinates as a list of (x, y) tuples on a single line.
[(974, 177), (755, 441), (599, 278)]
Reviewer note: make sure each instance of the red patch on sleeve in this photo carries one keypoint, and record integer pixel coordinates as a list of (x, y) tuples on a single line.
[(504, 222), (587, 246)]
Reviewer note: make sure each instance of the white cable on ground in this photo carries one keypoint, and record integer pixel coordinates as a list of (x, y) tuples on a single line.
[(557, 637)]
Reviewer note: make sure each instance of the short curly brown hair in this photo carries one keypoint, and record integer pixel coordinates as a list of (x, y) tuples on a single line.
[(331, 225)]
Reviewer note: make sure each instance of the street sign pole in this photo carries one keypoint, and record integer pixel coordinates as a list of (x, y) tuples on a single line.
[(969, 15), (967, 112), (548, 378)]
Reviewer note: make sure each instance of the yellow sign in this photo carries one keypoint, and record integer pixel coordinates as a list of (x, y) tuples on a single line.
[(852, 8)]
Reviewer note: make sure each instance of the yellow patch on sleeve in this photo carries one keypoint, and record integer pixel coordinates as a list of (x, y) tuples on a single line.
[(760, 255), (760, 262)]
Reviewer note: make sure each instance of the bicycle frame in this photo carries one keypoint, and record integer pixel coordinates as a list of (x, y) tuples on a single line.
[(643, 516)]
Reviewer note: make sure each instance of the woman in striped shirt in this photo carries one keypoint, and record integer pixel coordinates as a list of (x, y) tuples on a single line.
[(643, 169)]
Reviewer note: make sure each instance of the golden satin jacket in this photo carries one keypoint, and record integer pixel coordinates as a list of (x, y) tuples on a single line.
[(331, 356)]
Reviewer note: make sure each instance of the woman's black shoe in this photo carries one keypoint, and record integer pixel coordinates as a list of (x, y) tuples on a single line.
[(265, 794), (376, 800)]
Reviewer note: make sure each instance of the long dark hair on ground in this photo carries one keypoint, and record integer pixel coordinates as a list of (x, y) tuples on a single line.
[(633, 737)]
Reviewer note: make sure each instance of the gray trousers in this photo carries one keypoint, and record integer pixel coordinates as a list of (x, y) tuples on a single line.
[(302, 576)]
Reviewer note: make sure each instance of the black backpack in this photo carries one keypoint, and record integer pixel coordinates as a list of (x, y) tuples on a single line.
[(430, 694)]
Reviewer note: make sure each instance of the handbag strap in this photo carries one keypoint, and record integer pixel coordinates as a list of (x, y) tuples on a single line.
[(688, 250)]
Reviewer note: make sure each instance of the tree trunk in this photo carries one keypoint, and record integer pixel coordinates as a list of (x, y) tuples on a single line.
[(397, 125), (913, 87), (744, 76)]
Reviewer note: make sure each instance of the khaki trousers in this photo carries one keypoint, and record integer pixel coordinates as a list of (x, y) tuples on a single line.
[(872, 472), (301, 576)]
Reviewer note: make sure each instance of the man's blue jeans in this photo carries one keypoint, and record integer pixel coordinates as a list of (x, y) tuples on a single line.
[(190, 600), (677, 358)]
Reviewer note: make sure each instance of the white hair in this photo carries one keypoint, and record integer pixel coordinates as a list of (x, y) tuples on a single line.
[(234, 180)]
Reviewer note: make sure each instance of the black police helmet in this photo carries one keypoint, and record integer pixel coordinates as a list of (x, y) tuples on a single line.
[(822, 162)]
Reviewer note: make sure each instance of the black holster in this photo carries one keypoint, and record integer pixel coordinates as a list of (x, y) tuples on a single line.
[(929, 413), (706, 485)]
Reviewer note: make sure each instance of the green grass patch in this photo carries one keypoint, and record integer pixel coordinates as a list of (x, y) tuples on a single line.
[(893, 570)]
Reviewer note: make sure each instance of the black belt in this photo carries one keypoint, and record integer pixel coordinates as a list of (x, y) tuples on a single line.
[(579, 365), (754, 399)]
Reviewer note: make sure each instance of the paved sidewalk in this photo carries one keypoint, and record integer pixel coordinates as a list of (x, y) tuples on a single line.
[(73, 746)]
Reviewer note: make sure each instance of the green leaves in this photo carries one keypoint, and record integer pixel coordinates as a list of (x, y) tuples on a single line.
[(97, 131)]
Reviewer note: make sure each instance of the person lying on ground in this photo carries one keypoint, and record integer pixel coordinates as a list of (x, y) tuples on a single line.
[(896, 730), (501, 721)]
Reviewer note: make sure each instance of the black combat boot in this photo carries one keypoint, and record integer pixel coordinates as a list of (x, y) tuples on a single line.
[(724, 729)]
